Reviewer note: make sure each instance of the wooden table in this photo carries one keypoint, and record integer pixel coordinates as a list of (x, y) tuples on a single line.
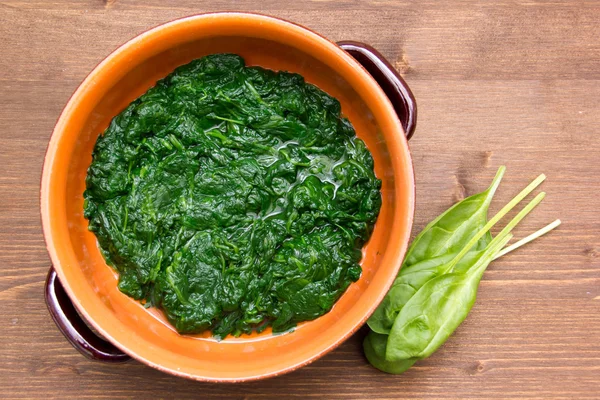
[(511, 82)]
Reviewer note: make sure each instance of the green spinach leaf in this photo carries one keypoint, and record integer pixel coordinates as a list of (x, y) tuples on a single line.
[(432, 296), (437, 309), (375, 345), (433, 249)]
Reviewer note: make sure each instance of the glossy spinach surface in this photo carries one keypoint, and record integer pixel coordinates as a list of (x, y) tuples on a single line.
[(233, 198)]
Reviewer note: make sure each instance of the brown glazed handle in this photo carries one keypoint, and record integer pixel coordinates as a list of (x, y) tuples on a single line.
[(390, 81), (70, 323)]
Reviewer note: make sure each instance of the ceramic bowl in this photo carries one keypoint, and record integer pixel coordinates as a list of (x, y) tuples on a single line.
[(81, 287)]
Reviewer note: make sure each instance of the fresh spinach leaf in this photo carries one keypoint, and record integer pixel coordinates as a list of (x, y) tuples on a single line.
[(432, 296), (375, 345), (432, 250), (437, 309), (448, 233)]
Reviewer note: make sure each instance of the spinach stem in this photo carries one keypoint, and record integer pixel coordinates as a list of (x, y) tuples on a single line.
[(254, 91), (126, 217), (505, 210), (493, 248), (526, 210), (529, 238), (229, 120), (505, 233)]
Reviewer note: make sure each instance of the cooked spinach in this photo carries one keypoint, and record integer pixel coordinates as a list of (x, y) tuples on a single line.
[(437, 285), (233, 198)]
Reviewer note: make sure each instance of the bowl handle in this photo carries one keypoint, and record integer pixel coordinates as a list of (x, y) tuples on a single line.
[(70, 323), (390, 81)]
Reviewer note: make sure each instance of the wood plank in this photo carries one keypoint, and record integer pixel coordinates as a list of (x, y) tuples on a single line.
[(512, 83)]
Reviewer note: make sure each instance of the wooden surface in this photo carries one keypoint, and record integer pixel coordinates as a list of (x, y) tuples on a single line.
[(510, 82)]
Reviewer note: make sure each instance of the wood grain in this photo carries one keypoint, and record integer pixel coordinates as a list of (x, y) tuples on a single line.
[(507, 82)]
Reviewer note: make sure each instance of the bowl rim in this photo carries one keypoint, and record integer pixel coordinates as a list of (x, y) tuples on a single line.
[(70, 107)]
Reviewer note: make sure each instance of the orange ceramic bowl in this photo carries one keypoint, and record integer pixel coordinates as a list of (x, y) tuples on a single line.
[(126, 74)]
